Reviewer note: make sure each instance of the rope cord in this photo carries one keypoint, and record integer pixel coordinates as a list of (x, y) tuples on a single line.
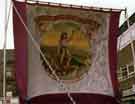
[(35, 43)]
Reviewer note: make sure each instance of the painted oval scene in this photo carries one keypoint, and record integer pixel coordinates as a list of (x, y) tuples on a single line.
[(67, 49)]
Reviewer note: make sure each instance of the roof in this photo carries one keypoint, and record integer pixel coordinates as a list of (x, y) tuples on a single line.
[(124, 26)]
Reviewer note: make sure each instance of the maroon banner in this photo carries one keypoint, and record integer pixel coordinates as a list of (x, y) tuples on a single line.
[(114, 22), (20, 41), (79, 99), (39, 87)]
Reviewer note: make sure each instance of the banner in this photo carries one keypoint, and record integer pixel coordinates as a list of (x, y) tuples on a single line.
[(80, 46)]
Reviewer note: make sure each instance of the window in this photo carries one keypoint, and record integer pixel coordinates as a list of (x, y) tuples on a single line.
[(126, 71), (130, 69)]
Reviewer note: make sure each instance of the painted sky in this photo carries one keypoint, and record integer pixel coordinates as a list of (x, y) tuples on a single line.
[(129, 4)]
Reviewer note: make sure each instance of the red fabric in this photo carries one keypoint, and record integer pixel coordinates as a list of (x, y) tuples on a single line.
[(20, 40), (113, 30), (78, 97)]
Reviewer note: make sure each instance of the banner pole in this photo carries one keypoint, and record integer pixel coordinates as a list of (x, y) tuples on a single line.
[(131, 38), (4, 54), (72, 6)]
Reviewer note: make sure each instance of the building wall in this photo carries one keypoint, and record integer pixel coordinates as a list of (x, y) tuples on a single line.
[(126, 67), (1, 75), (10, 72), (126, 74)]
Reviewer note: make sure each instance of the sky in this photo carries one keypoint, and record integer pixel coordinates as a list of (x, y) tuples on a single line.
[(119, 4)]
